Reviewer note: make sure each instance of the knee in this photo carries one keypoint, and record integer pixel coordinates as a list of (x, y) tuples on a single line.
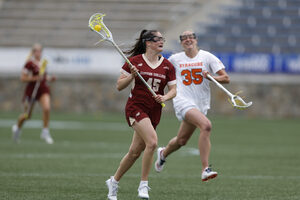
[(152, 145), (206, 128), (181, 141), (46, 110)]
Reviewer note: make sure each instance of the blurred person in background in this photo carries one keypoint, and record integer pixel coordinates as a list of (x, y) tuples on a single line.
[(143, 111), (193, 100), (31, 75)]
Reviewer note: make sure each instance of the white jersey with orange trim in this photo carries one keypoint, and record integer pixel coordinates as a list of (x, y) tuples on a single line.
[(193, 90)]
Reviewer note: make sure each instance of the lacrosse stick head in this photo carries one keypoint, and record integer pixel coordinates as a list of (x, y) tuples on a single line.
[(237, 102), (97, 25)]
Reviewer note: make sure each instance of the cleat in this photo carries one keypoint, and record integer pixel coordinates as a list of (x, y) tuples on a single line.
[(45, 135), (112, 189), (159, 163), (143, 191), (208, 174), (16, 132)]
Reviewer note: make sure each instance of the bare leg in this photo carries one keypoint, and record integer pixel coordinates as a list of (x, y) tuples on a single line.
[(23, 117), (45, 104), (146, 131), (185, 132), (197, 118), (136, 147)]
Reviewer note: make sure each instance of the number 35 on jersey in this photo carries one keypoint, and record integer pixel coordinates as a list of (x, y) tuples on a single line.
[(192, 76)]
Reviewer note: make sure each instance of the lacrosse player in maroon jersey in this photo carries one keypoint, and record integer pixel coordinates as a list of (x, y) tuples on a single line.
[(30, 75), (142, 110)]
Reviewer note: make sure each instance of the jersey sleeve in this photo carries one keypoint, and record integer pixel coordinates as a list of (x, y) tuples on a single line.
[(215, 63), (27, 68), (171, 76), (125, 69)]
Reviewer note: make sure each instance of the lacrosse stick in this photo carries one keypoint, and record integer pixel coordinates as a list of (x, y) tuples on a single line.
[(97, 25), (36, 87), (235, 100)]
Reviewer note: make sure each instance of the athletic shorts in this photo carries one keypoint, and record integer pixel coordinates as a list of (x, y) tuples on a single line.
[(137, 112), (40, 92), (182, 106)]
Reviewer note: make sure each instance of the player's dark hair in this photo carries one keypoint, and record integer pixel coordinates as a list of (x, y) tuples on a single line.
[(140, 46)]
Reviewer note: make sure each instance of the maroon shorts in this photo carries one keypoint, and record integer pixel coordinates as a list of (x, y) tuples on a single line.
[(137, 112), (28, 93)]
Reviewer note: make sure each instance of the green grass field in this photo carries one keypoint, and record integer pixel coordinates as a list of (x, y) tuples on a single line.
[(257, 159)]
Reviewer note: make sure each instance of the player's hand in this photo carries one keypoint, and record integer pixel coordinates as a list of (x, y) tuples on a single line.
[(159, 98), (204, 73), (38, 78), (134, 70), (52, 78)]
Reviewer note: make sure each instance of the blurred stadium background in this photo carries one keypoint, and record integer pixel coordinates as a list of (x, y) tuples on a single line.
[(257, 40)]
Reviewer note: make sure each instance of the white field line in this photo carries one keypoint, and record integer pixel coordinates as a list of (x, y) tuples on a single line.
[(61, 155), (70, 125), (179, 176)]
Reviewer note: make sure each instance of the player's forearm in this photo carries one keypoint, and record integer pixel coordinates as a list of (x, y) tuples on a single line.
[(124, 82), (25, 78), (222, 78), (171, 93)]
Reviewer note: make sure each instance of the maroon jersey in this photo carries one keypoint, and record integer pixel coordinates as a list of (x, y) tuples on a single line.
[(32, 69), (140, 98)]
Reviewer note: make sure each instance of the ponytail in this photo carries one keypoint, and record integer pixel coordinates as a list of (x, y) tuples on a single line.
[(140, 46)]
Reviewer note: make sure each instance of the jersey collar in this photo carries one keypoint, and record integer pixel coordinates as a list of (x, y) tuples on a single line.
[(150, 64)]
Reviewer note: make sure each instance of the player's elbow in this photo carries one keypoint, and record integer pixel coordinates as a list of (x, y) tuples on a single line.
[(119, 86), (226, 79), (22, 78)]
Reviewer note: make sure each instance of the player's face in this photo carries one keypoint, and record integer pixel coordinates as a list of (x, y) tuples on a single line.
[(37, 53), (188, 40), (157, 42)]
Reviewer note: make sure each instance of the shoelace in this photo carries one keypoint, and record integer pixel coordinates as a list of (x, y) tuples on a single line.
[(143, 187), (208, 169), (115, 188), (161, 162)]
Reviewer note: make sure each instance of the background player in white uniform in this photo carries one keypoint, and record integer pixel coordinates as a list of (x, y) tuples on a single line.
[(193, 99)]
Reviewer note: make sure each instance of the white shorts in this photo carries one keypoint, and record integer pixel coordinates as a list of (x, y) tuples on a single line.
[(181, 106)]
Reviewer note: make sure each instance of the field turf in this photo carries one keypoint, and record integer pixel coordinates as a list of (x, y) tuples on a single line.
[(257, 159)]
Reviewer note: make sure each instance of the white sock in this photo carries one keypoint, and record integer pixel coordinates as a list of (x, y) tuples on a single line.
[(143, 183), (114, 180), (162, 156), (45, 130)]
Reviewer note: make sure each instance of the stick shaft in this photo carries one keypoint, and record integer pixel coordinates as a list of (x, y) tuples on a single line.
[(219, 85), (138, 74)]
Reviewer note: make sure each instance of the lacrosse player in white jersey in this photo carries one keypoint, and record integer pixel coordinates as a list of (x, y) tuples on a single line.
[(193, 100)]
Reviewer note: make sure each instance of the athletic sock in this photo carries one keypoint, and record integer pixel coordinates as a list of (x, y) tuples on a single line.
[(45, 130), (143, 183), (162, 157), (114, 180)]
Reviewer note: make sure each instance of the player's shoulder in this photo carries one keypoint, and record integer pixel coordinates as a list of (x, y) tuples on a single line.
[(206, 53), (29, 64), (176, 55), (136, 58)]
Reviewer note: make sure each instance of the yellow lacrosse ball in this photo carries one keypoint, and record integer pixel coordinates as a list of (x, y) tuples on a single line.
[(97, 27)]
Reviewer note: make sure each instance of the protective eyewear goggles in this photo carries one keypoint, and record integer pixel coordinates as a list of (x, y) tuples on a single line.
[(190, 36), (157, 39)]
